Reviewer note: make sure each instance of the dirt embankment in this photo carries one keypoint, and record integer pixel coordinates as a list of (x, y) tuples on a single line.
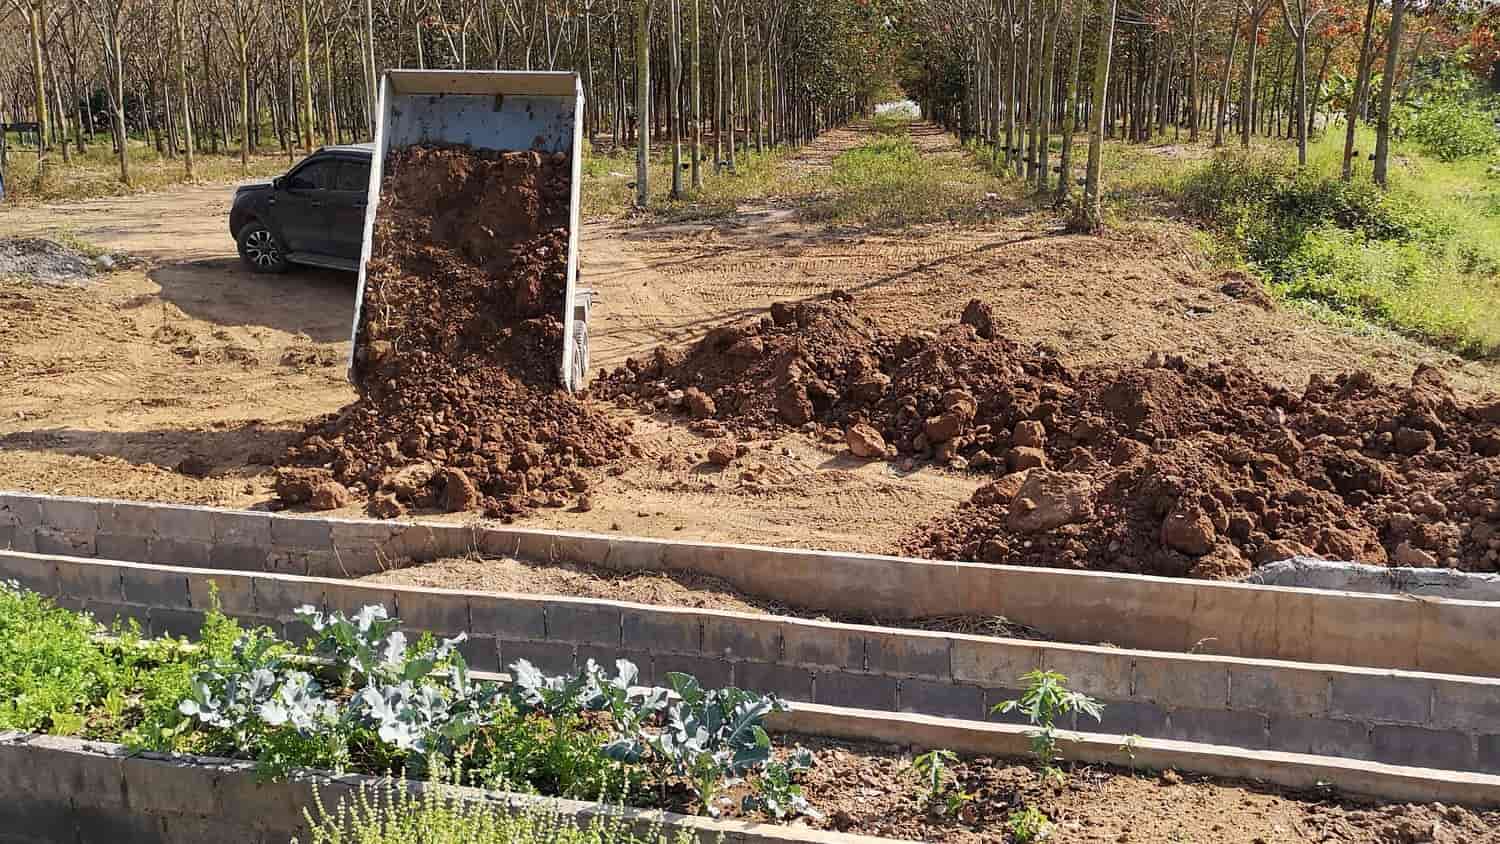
[(459, 348), (1164, 467)]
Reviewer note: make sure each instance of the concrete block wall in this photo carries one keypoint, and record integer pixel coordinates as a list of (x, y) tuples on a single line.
[(1409, 718), (1234, 619), (66, 791)]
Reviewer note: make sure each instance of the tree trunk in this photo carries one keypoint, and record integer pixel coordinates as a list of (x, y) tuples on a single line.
[(674, 98), (1089, 214), (1044, 122), (642, 102), (1070, 117), (697, 97), (1387, 85), (1222, 112), (1247, 81), (307, 103), (38, 71), (1362, 79)]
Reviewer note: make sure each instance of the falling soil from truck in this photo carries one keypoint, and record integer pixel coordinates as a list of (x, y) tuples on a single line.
[(459, 348), (1162, 468)]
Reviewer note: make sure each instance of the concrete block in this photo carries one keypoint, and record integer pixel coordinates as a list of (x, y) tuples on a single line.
[(349, 598), (129, 518), (1278, 689), (550, 657), (1097, 672), (948, 700), (997, 696), (993, 662), (21, 538), (416, 542), (863, 691), (661, 630), (1457, 637), (786, 681), (301, 532), (711, 673), (66, 543), (1380, 631), (278, 597), (87, 779), (441, 613), (822, 645), (21, 509), (238, 557), (188, 829), (1320, 737), (741, 637), (1233, 620), (909, 654), (236, 593), (242, 527), (451, 540), (628, 553), (175, 623), (38, 821), (1137, 612), (1423, 748), (39, 574), (605, 657), (281, 561), (1470, 703), (110, 614), (1380, 697), (1489, 755), (159, 784), (172, 551), (356, 534), (581, 548), (329, 564), (72, 515), (1173, 681), (583, 623), (155, 587), (507, 617), (1217, 726), (185, 523), (122, 546), (88, 581), (481, 652), (1129, 718)]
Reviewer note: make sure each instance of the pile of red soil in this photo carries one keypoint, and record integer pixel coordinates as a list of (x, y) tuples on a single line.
[(1161, 468), (459, 347)]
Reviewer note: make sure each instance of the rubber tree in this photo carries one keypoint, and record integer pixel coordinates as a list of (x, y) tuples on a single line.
[(305, 102), (1387, 85), (1222, 117), (111, 17), (34, 13), (642, 102), (697, 60), (1256, 11), (179, 35), (1088, 215), (1299, 16), (1069, 126), (674, 96), (1362, 80)]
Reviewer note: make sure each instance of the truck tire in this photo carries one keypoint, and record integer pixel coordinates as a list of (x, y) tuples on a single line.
[(260, 250)]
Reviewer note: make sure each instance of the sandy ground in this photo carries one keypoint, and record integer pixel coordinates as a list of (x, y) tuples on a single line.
[(106, 390)]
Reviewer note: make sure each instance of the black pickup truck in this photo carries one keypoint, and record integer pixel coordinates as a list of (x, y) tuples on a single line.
[(315, 214)]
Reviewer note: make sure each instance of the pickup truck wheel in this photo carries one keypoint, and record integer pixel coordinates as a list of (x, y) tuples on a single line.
[(260, 251)]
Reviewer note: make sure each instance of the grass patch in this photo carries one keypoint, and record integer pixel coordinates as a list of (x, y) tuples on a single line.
[(1422, 259), (96, 172), (609, 183)]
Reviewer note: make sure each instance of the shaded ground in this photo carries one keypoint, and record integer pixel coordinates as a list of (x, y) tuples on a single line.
[(107, 390)]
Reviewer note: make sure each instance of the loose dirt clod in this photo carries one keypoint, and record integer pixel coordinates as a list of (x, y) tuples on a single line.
[(1164, 467), (460, 342)]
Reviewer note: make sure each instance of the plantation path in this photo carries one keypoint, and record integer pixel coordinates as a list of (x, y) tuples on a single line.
[(107, 391)]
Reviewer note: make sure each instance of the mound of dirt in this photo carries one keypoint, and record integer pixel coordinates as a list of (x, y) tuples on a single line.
[(460, 345), (43, 261), (1161, 468)]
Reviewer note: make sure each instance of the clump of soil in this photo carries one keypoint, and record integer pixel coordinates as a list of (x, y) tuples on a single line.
[(460, 345), (1161, 468)]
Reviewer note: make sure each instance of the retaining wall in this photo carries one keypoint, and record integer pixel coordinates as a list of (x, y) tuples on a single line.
[(66, 791), (1380, 631), (1409, 718), (1313, 573)]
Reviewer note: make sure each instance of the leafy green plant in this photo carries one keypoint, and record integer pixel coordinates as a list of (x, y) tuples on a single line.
[(1028, 825), (1450, 127), (1047, 698), (942, 791), (776, 792)]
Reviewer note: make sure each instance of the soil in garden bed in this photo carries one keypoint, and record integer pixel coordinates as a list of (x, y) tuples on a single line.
[(655, 588), (1163, 467), (871, 789), (459, 348)]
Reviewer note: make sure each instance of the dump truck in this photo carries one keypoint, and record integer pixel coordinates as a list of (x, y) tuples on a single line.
[(495, 110)]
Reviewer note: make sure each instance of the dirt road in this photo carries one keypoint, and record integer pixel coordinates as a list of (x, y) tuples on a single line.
[(111, 389)]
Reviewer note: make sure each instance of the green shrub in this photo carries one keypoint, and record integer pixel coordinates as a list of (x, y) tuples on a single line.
[(1451, 128), (51, 670)]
